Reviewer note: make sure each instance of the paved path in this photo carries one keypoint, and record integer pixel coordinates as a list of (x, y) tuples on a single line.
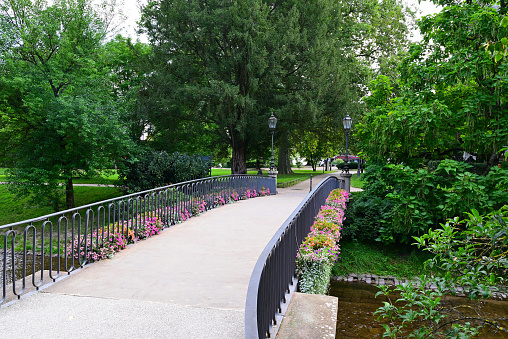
[(188, 282)]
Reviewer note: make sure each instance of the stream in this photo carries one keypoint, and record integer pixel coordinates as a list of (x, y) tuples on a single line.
[(357, 304)]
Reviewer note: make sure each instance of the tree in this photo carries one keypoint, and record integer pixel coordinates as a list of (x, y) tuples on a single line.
[(60, 119), (209, 60), (449, 101), (229, 65), (453, 94), (313, 148), (124, 63)]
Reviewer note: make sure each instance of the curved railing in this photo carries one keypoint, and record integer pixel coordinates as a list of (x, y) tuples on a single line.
[(60, 242), (274, 274)]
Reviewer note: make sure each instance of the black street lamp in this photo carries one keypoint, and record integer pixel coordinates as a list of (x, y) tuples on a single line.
[(347, 121), (272, 123)]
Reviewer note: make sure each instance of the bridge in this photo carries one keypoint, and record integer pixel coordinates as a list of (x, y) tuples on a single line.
[(190, 281)]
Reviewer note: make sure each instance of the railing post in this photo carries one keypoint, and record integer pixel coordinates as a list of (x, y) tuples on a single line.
[(273, 174)]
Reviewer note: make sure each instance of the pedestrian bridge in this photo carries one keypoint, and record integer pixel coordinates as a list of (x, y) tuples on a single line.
[(190, 281)]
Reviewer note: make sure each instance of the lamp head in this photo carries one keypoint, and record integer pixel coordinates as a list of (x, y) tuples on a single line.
[(347, 121), (272, 122)]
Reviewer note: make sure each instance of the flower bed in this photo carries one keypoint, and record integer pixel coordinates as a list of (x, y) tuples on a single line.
[(320, 249), (104, 243)]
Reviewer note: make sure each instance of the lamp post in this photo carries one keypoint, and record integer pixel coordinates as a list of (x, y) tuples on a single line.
[(347, 121), (272, 123)]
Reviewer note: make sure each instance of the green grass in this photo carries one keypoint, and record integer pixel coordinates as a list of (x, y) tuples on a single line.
[(107, 178), (227, 171), (355, 182), (302, 174), (381, 260), (3, 177), (13, 209)]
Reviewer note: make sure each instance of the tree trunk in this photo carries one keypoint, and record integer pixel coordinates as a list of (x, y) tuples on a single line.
[(69, 194), (313, 163), (284, 161), (239, 156)]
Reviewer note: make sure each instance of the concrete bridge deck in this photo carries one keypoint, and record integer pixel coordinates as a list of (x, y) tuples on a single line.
[(188, 282)]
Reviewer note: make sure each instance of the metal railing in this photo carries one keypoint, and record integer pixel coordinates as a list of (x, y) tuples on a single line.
[(275, 271), (60, 242)]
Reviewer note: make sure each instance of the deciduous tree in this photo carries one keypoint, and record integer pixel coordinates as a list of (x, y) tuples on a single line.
[(60, 119)]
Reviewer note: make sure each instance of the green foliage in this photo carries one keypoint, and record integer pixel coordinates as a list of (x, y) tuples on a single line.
[(220, 68), (152, 169), (313, 148), (400, 202), (470, 257), (58, 119), (380, 259), (364, 216), (316, 278), (451, 94)]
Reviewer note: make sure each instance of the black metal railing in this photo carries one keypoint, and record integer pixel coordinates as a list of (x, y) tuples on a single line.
[(275, 271), (60, 242)]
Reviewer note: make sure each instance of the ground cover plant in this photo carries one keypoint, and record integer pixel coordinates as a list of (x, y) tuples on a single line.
[(471, 259), (357, 182), (320, 249), (379, 259)]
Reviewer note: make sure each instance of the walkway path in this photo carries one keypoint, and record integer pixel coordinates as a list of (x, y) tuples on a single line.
[(188, 282)]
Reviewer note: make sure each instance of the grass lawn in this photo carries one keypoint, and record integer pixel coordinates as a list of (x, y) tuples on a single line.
[(3, 177), (13, 209), (302, 174), (382, 260), (355, 182), (107, 178), (227, 171)]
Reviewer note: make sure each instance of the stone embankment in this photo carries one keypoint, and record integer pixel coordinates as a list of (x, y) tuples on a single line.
[(394, 281)]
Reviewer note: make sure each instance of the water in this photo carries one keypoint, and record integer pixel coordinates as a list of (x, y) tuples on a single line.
[(357, 304), (30, 263)]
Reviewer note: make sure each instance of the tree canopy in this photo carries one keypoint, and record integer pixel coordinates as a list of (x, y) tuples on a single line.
[(57, 115), (452, 92), (223, 67)]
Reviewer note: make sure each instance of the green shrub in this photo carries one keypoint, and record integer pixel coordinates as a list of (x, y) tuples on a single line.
[(351, 165), (363, 216), (399, 202), (337, 162), (151, 169)]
